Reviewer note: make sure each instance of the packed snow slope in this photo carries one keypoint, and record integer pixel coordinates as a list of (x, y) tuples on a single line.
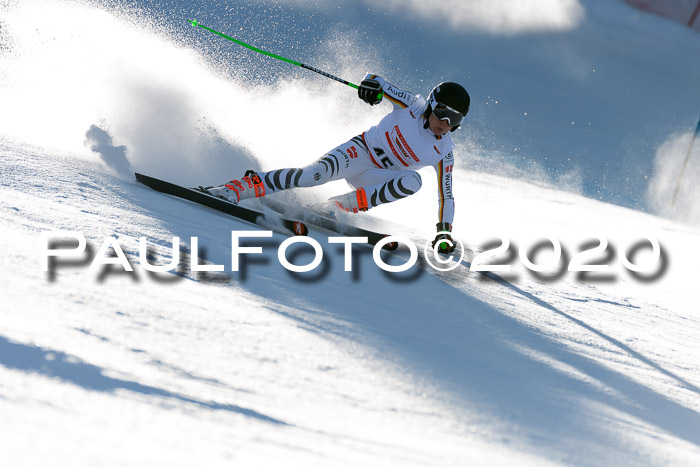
[(582, 110)]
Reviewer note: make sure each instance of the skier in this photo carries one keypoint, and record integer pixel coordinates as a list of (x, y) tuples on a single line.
[(380, 163)]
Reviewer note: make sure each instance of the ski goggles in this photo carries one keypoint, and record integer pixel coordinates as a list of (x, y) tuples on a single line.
[(444, 112)]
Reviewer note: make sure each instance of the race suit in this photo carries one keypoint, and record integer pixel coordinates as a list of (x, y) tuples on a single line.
[(382, 160)]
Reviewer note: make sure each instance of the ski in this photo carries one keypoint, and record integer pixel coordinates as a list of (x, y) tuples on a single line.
[(348, 230), (333, 225), (249, 215), (295, 227)]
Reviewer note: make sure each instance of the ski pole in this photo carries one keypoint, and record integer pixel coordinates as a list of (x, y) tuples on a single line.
[(685, 163), (278, 57)]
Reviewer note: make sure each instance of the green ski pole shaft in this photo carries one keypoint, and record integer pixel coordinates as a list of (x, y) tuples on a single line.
[(278, 57)]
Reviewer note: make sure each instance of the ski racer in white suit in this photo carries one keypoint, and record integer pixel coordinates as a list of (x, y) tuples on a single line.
[(381, 163)]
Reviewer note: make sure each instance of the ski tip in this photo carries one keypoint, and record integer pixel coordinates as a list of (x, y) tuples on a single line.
[(193, 22)]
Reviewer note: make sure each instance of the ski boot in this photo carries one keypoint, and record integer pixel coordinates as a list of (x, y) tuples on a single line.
[(235, 191), (355, 201)]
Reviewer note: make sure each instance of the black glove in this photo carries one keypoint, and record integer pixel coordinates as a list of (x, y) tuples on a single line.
[(443, 239), (370, 91)]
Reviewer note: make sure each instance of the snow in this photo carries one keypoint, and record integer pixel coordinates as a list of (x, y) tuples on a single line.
[(330, 367)]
